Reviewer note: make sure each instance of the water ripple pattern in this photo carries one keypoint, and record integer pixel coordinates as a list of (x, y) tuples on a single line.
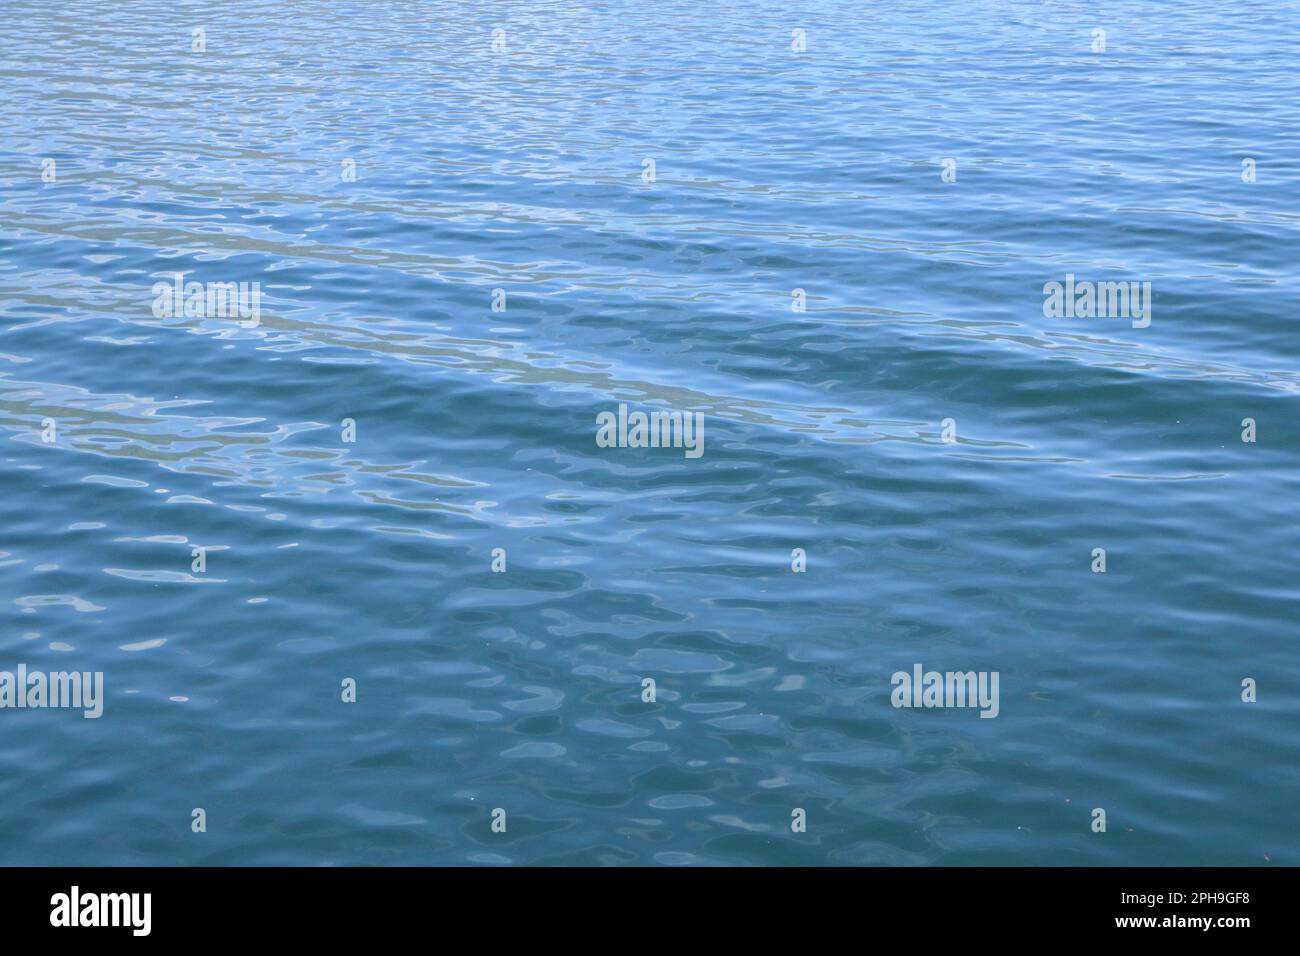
[(828, 229)]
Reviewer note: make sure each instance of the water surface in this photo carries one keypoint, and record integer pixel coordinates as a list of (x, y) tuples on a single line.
[(775, 170)]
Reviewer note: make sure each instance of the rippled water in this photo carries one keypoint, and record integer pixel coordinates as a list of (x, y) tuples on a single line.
[(522, 170)]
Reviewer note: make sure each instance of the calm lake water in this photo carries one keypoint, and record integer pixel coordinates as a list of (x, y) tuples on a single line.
[(685, 207)]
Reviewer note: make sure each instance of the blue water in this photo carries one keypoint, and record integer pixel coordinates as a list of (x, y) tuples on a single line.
[(774, 170)]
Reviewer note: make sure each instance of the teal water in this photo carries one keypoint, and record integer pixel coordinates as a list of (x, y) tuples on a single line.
[(522, 170)]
